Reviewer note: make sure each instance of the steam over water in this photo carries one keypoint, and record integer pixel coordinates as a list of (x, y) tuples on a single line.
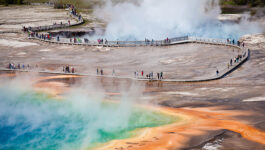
[(30, 120), (158, 19)]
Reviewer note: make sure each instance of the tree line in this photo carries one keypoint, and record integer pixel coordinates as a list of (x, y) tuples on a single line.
[(6, 2), (252, 3)]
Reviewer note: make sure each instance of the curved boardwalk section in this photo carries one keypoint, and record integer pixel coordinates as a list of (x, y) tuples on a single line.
[(220, 72), (223, 71), (77, 17)]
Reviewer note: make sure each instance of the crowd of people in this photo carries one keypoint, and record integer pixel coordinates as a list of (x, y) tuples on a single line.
[(238, 58), (32, 32), (101, 41), (74, 12), (238, 43), (13, 66), (40, 36), (149, 75), (19, 66), (100, 72), (68, 69)]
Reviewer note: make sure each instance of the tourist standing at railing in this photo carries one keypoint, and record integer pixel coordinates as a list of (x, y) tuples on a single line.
[(151, 75), (11, 66), (67, 69), (113, 72), (217, 72), (158, 76), (161, 75)]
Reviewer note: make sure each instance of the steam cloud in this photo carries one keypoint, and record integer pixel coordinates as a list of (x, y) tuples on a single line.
[(31, 120), (158, 19)]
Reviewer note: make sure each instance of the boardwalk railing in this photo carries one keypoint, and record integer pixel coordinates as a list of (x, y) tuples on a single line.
[(84, 41), (80, 20), (222, 74), (172, 41), (224, 70)]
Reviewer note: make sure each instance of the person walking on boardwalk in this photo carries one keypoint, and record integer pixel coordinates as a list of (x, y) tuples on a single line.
[(231, 62), (101, 72), (113, 72), (142, 73), (97, 71), (158, 76), (217, 72), (73, 70), (67, 69), (161, 75)]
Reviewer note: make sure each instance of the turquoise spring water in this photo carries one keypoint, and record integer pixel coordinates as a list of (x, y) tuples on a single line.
[(30, 120)]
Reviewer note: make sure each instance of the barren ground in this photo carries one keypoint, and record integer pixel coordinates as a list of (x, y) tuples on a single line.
[(243, 90)]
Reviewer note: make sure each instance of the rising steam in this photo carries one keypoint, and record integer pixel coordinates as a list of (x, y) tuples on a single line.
[(158, 19), (32, 120)]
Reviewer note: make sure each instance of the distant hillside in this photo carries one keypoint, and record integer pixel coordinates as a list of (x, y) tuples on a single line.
[(6, 2), (90, 3), (252, 3)]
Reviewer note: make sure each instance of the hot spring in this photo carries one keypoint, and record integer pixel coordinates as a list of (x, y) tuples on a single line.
[(33, 120)]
